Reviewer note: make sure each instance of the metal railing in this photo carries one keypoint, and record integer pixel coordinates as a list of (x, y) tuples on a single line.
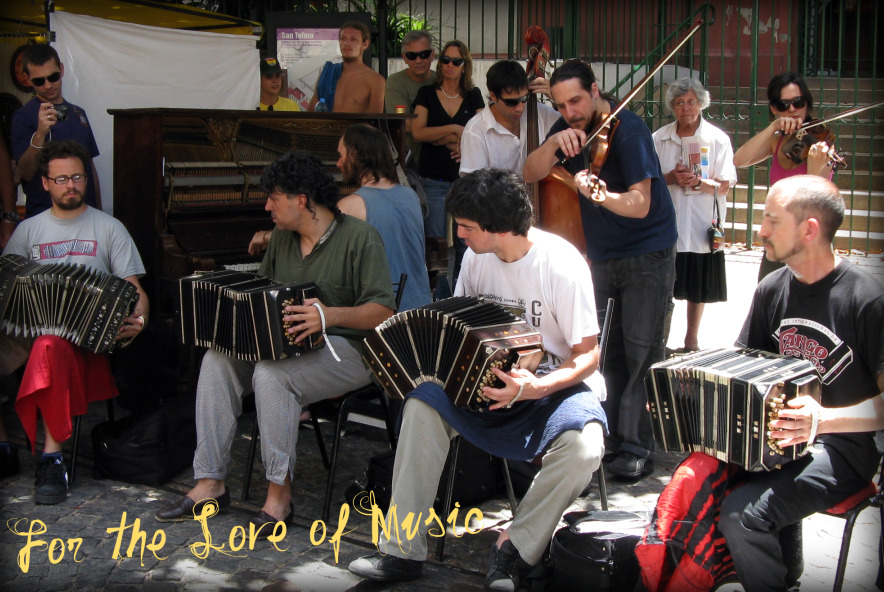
[(837, 45)]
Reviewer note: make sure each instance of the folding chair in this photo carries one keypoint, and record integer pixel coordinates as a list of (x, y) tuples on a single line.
[(359, 400)]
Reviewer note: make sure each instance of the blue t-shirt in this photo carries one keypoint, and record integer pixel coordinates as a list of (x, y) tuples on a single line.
[(631, 158), (396, 214), (75, 127)]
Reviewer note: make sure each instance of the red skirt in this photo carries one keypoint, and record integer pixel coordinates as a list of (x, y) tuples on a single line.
[(60, 381)]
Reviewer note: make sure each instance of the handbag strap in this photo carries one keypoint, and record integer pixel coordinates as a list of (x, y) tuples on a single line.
[(715, 213)]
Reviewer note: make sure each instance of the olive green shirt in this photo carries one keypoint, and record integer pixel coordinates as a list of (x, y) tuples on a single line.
[(349, 267)]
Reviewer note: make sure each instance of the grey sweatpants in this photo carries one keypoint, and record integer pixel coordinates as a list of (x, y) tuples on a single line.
[(282, 388), (568, 465)]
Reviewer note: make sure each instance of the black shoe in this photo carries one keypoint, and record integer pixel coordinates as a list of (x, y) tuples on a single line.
[(265, 523), (504, 566), (386, 568), (9, 462), (631, 466), (186, 508), (51, 485)]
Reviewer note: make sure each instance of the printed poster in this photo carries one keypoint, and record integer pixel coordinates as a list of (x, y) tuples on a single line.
[(303, 52)]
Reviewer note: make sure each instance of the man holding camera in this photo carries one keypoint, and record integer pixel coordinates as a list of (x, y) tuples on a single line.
[(48, 117)]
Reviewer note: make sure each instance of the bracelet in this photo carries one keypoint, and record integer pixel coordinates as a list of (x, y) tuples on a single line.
[(143, 321), (814, 427), (44, 140), (516, 398)]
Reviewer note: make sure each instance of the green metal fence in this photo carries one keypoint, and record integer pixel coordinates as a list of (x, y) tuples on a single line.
[(837, 45)]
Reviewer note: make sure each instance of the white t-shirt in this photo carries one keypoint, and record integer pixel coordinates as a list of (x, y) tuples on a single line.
[(550, 287), (485, 143)]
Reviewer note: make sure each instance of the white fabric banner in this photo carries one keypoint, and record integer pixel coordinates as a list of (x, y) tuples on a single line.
[(113, 65)]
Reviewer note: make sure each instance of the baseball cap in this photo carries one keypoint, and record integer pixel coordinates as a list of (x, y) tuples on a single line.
[(270, 66)]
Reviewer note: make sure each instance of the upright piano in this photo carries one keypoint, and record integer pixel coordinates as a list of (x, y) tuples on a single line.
[(187, 187)]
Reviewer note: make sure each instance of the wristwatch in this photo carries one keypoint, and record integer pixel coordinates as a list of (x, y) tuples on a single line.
[(11, 217)]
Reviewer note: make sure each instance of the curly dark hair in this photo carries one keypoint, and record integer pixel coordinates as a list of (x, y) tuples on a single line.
[(54, 150), (302, 172), (496, 199)]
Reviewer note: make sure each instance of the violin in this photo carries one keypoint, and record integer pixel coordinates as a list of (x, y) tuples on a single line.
[(814, 131)]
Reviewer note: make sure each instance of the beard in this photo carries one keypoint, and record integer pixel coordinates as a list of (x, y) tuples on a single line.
[(69, 201), (350, 175), (772, 256)]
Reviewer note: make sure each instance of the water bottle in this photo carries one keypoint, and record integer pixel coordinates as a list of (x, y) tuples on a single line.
[(321, 106)]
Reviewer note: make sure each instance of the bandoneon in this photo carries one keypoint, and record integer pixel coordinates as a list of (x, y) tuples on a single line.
[(240, 314), (721, 401), (453, 343), (82, 305)]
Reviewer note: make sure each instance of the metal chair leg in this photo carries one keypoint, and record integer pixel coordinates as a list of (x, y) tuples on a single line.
[(250, 461), (76, 445), (449, 491), (603, 487), (508, 481), (343, 412)]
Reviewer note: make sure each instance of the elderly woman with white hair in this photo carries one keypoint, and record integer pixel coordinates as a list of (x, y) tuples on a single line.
[(698, 160)]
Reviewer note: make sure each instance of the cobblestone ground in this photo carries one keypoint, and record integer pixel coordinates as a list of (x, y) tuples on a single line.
[(183, 561)]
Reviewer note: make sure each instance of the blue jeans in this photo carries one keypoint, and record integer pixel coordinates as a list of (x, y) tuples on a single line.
[(641, 287), (436, 190)]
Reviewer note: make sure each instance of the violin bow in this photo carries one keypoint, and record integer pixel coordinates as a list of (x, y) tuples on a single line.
[(637, 88)]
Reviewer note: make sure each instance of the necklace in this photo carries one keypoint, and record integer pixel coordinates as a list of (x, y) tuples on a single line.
[(457, 94)]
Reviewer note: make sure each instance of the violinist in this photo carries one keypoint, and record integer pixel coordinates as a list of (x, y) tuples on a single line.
[(791, 105), (630, 232)]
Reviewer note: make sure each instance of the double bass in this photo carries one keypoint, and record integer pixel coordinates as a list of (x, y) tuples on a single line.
[(555, 199)]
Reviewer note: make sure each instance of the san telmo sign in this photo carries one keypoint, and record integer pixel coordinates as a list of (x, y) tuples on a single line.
[(238, 538)]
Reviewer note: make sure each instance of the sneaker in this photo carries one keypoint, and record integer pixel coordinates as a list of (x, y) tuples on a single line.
[(386, 568), (52, 482), (504, 565), (631, 466), (9, 462)]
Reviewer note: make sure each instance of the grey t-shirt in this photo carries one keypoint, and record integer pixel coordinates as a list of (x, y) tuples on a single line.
[(94, 239)]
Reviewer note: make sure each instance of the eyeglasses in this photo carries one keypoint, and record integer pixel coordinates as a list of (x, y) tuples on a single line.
[(41, 80), (63, 179), (691, 103), (413, 55), (449, 60), (798, 102), (515, 102)]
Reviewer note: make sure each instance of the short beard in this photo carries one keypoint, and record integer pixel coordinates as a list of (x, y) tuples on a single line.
[(61, 204), (350, 175)]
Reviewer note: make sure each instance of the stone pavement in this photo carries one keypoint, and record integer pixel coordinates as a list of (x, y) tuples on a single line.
[(184, 562)]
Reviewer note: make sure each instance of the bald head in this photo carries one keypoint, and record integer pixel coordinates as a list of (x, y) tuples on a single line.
[(810, 196)]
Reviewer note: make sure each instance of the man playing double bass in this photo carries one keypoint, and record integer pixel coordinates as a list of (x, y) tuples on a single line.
[(630, 233)]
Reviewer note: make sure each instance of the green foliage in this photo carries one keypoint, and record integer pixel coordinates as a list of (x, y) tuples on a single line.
[(399, 20)]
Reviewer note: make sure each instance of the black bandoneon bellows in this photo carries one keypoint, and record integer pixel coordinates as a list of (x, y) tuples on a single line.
[(82, 305), (240, 314), (453, 343), (721, 401)]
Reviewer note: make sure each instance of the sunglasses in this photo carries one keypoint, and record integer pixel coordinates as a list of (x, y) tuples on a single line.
[(448, 60), (413, 55), (515, 102), (798, 102), (41, 80)]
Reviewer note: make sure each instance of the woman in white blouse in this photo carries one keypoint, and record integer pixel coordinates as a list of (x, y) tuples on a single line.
[(697, 160)]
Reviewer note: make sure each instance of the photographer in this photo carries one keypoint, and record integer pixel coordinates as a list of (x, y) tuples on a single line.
[(48, 117)]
